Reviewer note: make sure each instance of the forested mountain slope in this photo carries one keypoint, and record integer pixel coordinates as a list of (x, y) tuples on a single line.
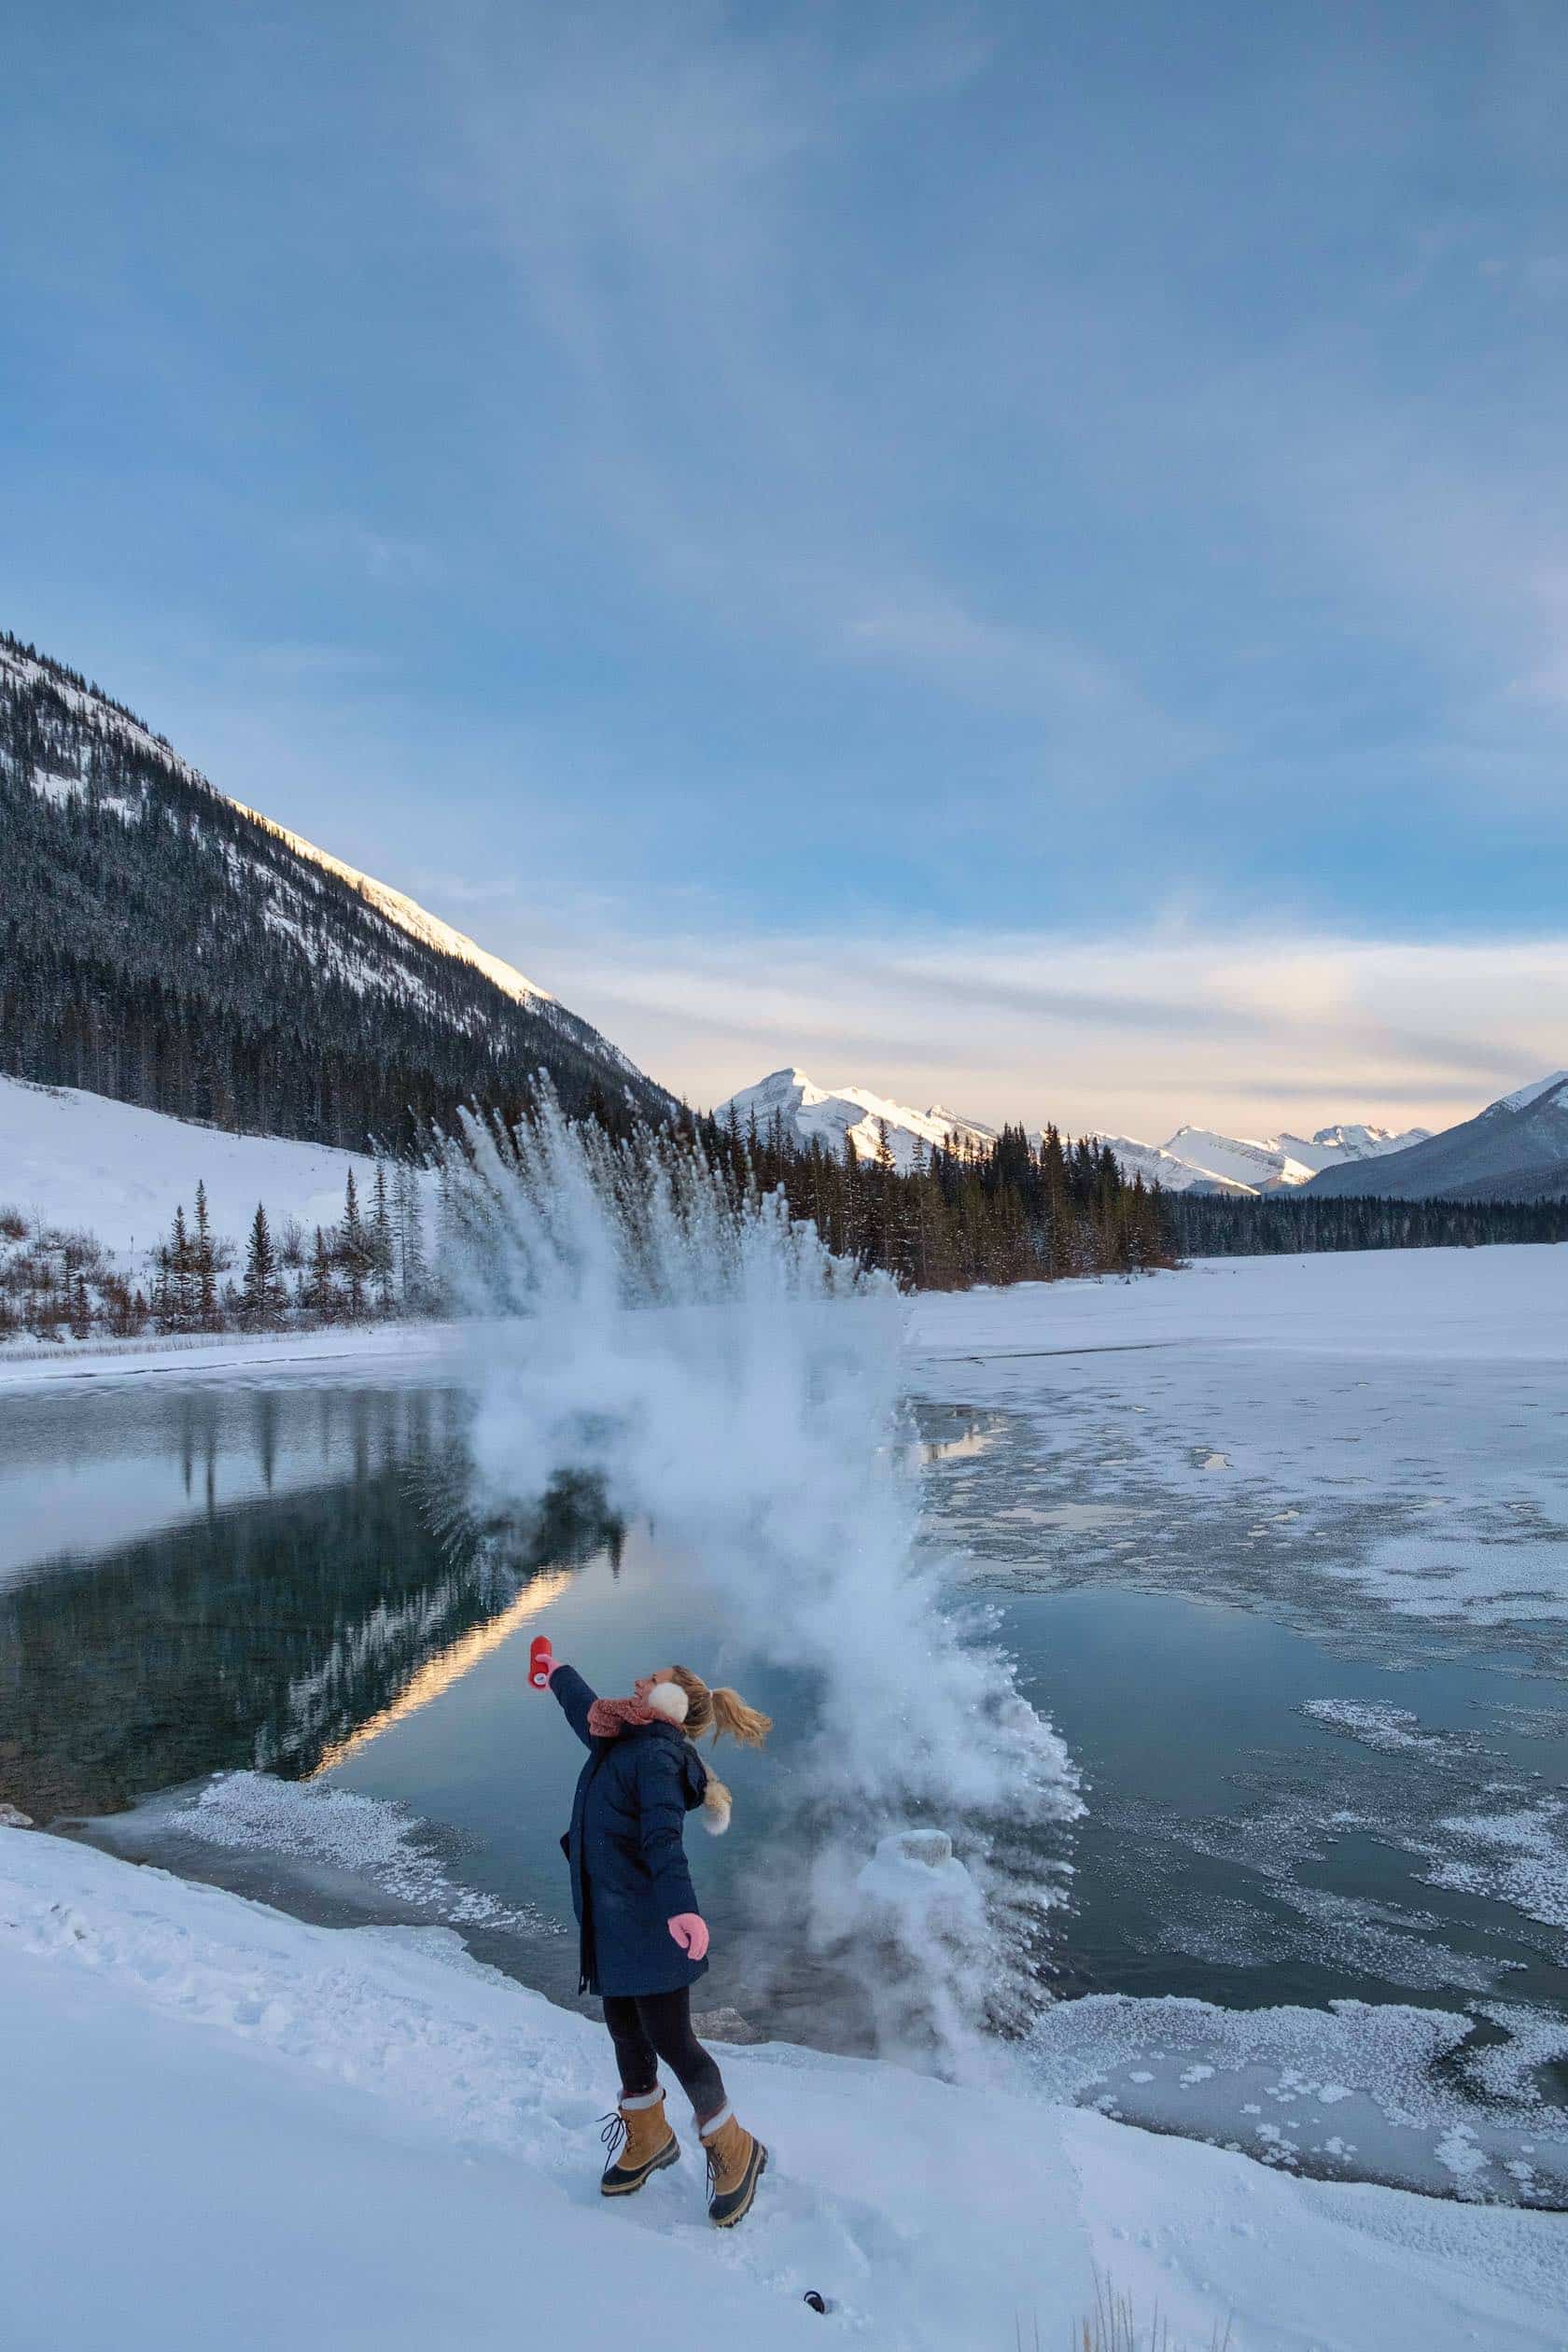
[(1515, 1149), (167, 946)]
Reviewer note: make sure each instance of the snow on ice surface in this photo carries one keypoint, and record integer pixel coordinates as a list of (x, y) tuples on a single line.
[(1389, 1730), (1390, 1425), (1502, 1304), (1518, 1857), (85, 1162), (1397, 1486), (1357, 2089), (325, 1827), (277, 2133)]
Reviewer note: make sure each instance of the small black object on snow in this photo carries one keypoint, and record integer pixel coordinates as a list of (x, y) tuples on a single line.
[(817, 2302)]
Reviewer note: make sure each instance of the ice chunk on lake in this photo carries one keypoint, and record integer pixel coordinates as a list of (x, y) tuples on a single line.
[(915, 1872)]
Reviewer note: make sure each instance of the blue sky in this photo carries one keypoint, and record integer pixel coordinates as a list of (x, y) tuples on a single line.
[(1012, 554)]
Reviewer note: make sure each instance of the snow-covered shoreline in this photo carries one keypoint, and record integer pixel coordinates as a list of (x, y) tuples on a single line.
[(412, 1350), (227, 2126), (1506, 1302)]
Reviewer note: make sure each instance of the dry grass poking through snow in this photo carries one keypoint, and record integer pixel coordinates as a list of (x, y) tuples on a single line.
[(1112, 2327)]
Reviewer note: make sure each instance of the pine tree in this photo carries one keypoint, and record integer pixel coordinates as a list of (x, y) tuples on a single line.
[(261, 1295), (354, 1252), (171, 1292), (411, 1279), (318, 1289), (380, 1251), (205, 1266)]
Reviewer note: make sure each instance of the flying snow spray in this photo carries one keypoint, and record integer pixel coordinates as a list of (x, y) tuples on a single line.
[(722, 1374)]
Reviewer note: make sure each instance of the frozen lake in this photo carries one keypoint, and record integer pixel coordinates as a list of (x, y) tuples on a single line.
[(1281, 1547)]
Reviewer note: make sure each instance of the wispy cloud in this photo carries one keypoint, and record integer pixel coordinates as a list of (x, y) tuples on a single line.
[(658, 198), (1136, 1034)]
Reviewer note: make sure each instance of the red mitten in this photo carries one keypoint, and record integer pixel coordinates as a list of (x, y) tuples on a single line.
[(691, 1934), (541, 1663)]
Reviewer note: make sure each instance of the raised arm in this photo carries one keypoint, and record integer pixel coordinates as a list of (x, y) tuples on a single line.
[(575, 1698)]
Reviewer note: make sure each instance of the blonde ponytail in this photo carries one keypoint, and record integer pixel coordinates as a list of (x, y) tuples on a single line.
[(731, 1714), (718, 1711)]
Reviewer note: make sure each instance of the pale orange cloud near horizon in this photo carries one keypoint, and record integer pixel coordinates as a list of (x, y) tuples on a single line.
[(1251, 1034)]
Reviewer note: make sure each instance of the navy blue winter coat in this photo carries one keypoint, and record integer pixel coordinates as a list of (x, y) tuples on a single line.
[(628, 1863)]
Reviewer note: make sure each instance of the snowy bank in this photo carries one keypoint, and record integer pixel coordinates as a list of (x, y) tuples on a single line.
[(375, 1351), (228, 2127), (87, 1162)]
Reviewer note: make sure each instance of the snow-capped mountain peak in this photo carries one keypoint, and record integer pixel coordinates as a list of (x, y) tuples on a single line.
[(1355, 1142), (1193, 1159), (848, 1113), (1535, 1092), (1278, 1163)]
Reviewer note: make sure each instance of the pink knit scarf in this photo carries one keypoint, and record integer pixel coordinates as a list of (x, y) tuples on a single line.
[(608, 1717)]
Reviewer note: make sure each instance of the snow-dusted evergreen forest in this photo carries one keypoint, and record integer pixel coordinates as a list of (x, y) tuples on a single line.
[(166, 946)]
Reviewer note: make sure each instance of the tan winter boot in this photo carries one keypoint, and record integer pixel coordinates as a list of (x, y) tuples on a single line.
[(650, 2144), (735, 2163)]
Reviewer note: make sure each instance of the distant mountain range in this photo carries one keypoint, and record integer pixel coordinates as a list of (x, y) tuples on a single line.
[(172, 948), (1515, 1149), (1198, 1159), (1195, 1159)]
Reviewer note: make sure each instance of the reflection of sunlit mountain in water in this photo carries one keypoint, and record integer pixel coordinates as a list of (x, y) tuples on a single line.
[(437, 1673), (279, 1634)]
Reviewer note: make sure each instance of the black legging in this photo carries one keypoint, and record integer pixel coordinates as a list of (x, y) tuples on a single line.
[(648, 2026)]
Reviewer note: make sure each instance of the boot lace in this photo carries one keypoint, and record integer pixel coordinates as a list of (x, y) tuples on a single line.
[(715, 2166), (614, 2132)]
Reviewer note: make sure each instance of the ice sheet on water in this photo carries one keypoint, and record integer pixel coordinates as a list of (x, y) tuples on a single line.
[(1517, 1855), (1391, 1731), (1368, 1485), (1448, 1799), (317, 1825), (1357, 2092)]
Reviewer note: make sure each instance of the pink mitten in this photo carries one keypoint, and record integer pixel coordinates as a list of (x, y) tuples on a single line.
[(691, 1934)]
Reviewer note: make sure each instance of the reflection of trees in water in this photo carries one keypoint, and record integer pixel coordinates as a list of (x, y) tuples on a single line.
[(265, 1636), (378, 1665)]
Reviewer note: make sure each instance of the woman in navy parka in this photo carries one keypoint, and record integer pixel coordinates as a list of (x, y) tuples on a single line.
[(643, 1941)]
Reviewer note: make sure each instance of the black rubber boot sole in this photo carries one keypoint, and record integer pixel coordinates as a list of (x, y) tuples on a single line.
[(724, 2212), (622, 2182)]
